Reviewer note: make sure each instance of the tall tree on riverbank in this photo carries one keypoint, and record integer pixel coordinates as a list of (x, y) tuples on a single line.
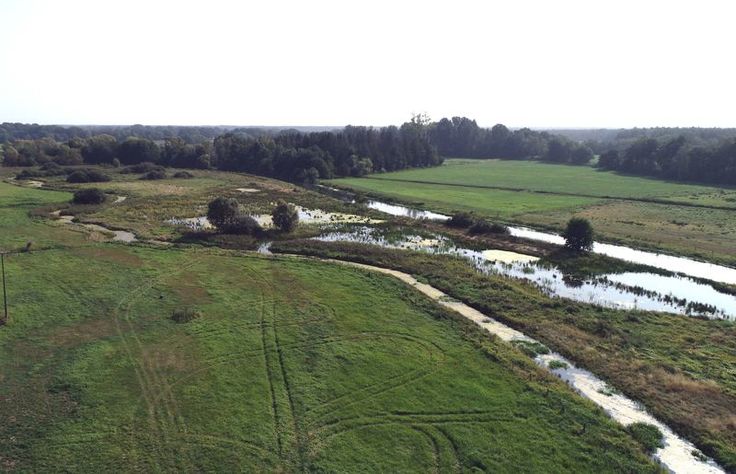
[(578, 234)]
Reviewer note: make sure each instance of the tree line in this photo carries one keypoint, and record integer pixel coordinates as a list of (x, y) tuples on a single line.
[(675, 159), (189, 134), (602, 140), (461, 137), (304, 156), (301, 157)]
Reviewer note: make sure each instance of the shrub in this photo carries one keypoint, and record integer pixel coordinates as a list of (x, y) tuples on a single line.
[(243, 224), (222, 212), (185, 315), (285, 216), (52, 169), (648, 435), (87, 176), (27, 174), (578, 234), (155, 174), (97, 176), (460, 220), (557, 364), (484, 227), (530, 348), (89, 196), (79, 176), (183, 175)]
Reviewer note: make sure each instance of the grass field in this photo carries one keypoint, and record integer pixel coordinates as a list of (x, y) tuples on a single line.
[(680, 218), (489, 202), (553, 178), (292, 365)]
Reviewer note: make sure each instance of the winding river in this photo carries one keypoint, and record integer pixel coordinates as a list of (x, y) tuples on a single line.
[(670, 263)]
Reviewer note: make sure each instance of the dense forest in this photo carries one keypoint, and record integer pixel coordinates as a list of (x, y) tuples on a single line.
[(292, 155), (461, 137), (675, 159)]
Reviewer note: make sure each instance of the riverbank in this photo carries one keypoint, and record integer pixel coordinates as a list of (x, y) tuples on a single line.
[(678, 367)]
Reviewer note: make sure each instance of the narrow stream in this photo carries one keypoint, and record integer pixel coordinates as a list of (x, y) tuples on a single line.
[(678, 455)]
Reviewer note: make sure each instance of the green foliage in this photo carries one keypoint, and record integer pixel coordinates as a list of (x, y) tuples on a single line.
[(578, 234), (87, 176), (285, 216), (243, 224), (531, 348), (100, 149), (557, 365), (89, 196), (482, 226), (136, 150), (649, 436), (222, 212), (460, 220), (675, 158)]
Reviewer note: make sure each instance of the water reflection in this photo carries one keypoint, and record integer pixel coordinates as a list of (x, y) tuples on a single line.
[(631, 290), (670, 263)]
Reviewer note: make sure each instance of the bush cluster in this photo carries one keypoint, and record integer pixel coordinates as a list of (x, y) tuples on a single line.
[(87, 176), (155, 174), (183, 175), (89, 196), (475, 226)]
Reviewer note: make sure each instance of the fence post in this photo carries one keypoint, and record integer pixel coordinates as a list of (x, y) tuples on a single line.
[(5, 292)]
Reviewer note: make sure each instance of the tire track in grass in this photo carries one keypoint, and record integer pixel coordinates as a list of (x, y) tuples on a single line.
[(447, 455), (435, 356), (286, 427), (301, 441), (146, 374)]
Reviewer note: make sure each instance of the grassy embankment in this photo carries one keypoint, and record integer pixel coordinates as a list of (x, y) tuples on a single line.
[(292, 365), (683, 369), (681, 218)]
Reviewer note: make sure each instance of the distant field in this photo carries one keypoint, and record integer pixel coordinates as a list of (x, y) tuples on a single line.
[(293, 365), (536, 176), (682, 220), (491, 202)]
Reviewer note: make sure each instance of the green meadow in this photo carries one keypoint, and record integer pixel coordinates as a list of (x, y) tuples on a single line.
[(289, 365), (646, 213)]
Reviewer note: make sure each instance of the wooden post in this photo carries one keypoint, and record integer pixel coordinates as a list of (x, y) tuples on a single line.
[(5, 292)]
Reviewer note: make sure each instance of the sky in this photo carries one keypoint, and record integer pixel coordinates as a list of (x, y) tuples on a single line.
[(542, 64)]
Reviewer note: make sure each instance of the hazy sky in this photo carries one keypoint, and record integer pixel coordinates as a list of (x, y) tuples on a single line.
[(592, 63)]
